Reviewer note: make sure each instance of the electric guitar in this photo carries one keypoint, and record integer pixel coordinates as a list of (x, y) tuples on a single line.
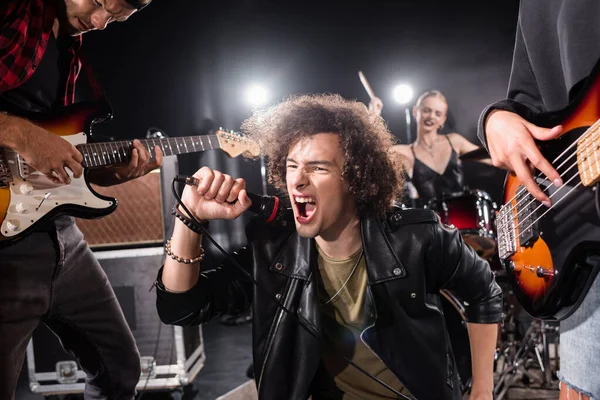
[(28, 198), (552, 255)]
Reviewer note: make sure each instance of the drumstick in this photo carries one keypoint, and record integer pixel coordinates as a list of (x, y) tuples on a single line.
[(366, 85)]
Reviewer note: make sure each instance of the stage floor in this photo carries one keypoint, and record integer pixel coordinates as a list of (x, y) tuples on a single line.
[(228, 355)]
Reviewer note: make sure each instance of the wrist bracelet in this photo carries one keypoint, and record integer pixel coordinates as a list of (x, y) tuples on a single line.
[(183, 260), (192, 225)]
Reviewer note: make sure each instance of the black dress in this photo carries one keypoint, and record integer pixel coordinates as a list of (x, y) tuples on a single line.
[(429, 184)]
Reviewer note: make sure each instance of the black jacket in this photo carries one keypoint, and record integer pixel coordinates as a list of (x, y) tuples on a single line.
[(410, 256)]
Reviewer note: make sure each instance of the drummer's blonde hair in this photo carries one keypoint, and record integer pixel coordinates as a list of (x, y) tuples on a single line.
[(431, 93)]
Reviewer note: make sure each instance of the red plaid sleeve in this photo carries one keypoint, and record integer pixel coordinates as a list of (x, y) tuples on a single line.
[(25, 26)]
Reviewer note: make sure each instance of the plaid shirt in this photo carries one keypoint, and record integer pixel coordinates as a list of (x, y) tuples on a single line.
[(25, 26)]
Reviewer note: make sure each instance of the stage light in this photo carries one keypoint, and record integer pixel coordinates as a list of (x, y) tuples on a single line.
[(403, 93), (256, 95)]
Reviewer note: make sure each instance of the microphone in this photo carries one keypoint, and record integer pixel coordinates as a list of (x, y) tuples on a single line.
[(268, 208)]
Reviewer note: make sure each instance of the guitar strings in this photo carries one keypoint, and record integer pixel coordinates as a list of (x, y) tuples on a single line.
[(540, 175), (102, 152), (522, 220), (584, 138), (588, 150), (548, 210), (595, 125), (551, 196), (511, 207)]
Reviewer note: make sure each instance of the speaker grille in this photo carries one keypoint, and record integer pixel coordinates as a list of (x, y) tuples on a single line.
[(137, 221)]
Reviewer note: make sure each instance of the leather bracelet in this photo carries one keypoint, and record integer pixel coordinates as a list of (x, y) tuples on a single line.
[(188, 261), (192, 225)]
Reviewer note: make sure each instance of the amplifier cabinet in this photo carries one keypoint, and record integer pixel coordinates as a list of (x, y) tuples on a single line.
[(143, 215)]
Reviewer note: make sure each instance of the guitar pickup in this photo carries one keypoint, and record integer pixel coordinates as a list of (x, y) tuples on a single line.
[(527, 211), (5, 175)]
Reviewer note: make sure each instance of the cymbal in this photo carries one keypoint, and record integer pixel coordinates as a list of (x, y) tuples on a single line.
[(475, 155)]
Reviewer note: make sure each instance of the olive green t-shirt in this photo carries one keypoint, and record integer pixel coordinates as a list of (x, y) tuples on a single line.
[(342, 323)]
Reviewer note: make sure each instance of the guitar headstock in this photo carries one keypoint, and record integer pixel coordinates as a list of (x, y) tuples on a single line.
[(234, 144)]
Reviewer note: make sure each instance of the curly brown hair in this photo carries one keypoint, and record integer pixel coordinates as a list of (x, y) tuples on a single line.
[(373, 172)]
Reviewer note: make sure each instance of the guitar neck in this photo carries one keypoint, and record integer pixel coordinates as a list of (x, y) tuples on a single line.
[(588, 155), (108, 153)]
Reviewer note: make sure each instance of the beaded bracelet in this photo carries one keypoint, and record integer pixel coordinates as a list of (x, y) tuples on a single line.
[(192, 225), (183, 260)]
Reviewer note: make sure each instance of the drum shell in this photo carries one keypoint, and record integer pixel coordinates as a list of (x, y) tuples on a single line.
[(473, 213)]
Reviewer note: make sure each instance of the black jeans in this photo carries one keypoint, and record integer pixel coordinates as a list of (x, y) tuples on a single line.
[(52, 277)]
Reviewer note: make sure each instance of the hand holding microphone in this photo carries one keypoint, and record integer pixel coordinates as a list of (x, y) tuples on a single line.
[(211, 194), (267, 208)]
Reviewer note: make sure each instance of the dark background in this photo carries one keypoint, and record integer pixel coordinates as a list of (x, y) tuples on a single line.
[(179, 63)]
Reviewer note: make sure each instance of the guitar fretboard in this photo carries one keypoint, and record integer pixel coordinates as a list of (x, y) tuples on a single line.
[(107, 153), (588, 155)]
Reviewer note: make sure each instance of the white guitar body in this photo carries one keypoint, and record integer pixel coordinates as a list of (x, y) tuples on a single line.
[(35, 197)]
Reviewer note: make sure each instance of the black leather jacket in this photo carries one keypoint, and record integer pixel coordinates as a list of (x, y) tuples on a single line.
[(410, 256)]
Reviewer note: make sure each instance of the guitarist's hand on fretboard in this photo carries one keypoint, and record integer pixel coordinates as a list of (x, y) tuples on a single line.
[(140, 163), (511, 144)]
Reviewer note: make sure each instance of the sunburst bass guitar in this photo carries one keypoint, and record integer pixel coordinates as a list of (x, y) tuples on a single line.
[(552, 255), (29, 198)]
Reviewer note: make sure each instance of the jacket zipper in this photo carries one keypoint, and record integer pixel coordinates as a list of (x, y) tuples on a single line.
[(274, 327)]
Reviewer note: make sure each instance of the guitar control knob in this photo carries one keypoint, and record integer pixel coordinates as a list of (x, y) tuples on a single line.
[(544, 273), (12, 225), (25, 188), (21, 208)]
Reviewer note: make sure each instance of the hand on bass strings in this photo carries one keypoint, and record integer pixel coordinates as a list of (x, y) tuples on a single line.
[(215, 196), (511, 145)]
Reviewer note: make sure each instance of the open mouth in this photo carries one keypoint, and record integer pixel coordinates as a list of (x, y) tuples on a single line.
[(305, 207), (428, 122)]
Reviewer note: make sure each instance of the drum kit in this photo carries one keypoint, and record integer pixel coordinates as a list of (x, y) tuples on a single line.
[(527, 349)]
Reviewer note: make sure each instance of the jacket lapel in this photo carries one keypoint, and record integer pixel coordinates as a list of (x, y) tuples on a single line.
[(295, 258), (382, 263)]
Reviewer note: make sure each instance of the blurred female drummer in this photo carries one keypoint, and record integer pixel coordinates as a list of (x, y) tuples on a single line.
[(432, 162)]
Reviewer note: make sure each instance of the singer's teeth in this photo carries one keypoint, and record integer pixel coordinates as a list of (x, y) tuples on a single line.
[(304, 199), (306, 205)]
